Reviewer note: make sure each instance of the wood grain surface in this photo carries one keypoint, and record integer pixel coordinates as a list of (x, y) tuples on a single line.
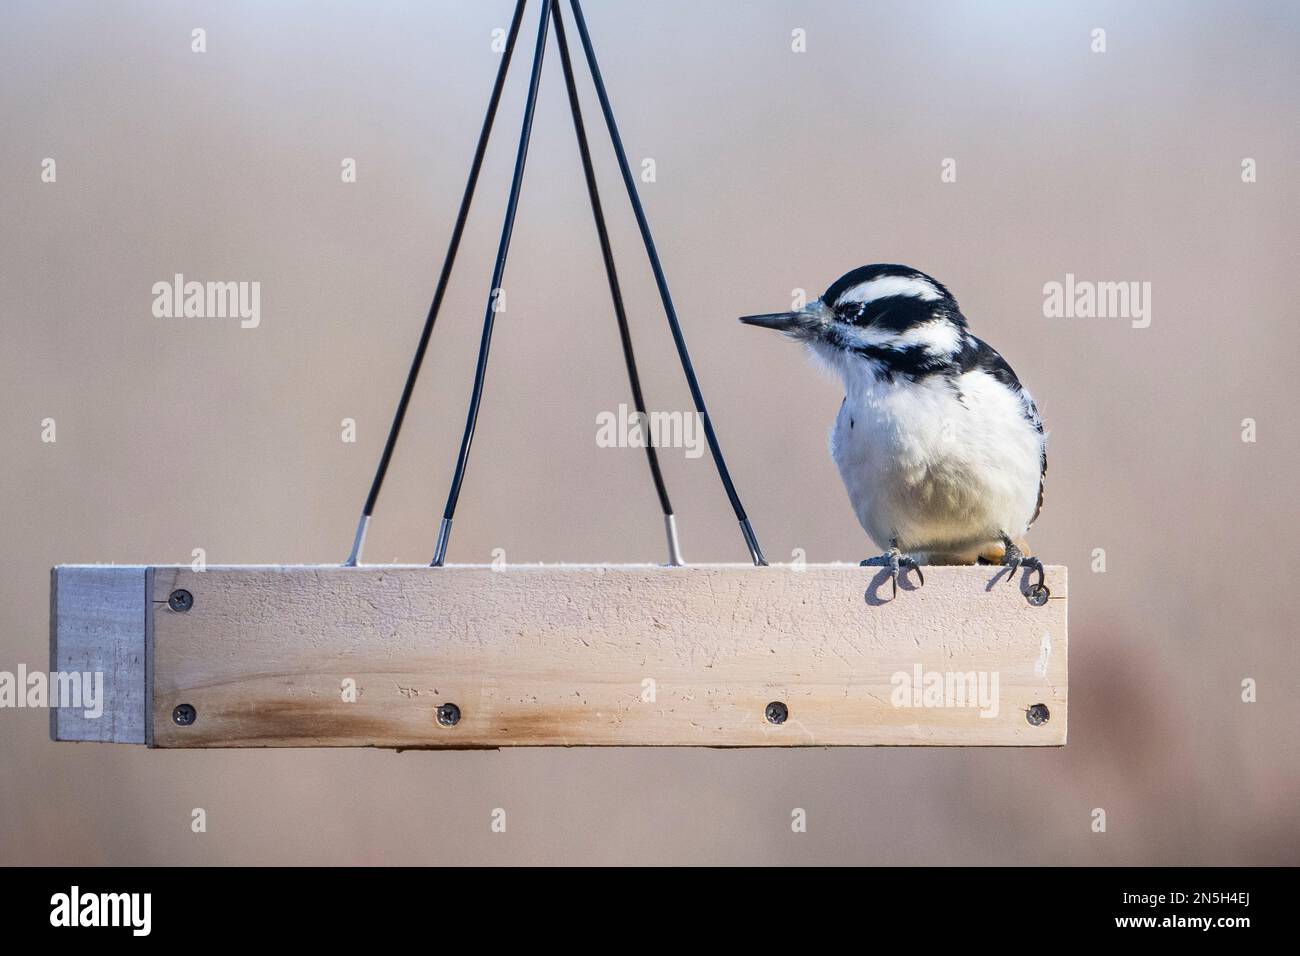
[(603, 655)]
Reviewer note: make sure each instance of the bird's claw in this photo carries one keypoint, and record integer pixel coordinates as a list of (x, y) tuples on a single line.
[(897, 562), (1013, 560)]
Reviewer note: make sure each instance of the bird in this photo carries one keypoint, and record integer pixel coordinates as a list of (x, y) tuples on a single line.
[(940, 447)]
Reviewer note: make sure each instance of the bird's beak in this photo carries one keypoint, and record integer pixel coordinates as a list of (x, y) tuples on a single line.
[(804, 324), (781, 321)]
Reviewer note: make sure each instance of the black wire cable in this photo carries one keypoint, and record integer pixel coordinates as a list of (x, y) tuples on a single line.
[(615, 292), (498, 271), (444, 277), (751, 541)]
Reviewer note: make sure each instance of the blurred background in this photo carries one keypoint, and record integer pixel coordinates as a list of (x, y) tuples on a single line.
[(775, 170)]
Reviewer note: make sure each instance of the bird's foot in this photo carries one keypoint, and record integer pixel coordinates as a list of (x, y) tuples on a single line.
[(897, 562), (1014, 559)]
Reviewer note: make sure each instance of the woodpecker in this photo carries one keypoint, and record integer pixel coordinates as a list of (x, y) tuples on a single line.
[(940, 447)]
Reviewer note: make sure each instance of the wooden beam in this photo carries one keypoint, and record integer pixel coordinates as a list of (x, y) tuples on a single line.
[(569, 655)]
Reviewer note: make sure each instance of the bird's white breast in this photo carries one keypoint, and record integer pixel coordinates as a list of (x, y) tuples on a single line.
[(940, 464)]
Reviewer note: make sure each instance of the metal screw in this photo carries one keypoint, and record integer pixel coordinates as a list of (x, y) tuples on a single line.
[(776, 712), (1037, 595), (180, 600), (184, 715), (1038, 714), (448, 715)]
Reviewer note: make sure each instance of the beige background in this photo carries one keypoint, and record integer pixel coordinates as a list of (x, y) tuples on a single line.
[(775, 170)]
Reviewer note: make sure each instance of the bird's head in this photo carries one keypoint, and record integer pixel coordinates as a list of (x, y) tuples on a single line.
[(894, 317)]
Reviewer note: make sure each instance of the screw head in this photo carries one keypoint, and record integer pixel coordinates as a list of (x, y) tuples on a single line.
[(448, 715), (184, 715), (180, 600), (776, 712), (1037, 595), (1038, 714)]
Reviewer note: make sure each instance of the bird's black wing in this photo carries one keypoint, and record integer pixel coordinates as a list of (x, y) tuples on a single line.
[(978, 354), (1042, 481)]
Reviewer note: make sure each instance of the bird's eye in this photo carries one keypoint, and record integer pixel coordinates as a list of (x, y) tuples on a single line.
[(851, 312)]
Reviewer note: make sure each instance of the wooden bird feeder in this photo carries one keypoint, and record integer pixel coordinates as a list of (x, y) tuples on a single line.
[(460, 656)]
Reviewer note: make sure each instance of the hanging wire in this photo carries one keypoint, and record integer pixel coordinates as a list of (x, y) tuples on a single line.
[(751, 540), (457, 231), (551, 9), (615, 292), (498, 271)]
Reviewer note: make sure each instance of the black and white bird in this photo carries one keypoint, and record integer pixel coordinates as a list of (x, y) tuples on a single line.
[(939, 445)]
